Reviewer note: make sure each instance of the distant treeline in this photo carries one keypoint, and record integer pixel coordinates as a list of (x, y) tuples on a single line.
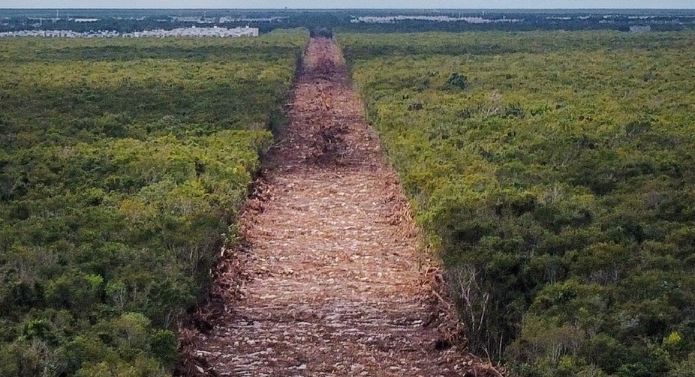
[(345, 20)]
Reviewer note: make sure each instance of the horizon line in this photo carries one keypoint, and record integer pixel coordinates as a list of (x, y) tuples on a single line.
[(331, 9)]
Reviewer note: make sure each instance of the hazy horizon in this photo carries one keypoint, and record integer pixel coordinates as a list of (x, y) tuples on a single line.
[(349, 4)]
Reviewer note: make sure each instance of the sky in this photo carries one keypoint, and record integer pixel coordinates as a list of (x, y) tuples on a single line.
[(430, 4)]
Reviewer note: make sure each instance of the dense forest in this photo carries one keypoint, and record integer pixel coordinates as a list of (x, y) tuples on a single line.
[(122, 166), (554, 173)]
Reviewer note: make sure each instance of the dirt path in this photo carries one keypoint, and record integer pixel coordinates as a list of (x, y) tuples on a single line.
[(333, 283)]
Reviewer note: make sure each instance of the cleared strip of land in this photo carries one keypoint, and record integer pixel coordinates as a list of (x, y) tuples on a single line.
[(333, 281)]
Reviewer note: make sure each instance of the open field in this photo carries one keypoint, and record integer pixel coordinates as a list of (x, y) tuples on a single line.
[(554, 173), (122, 165)]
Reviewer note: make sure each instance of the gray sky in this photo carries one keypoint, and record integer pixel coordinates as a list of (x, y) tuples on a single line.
[(347, 4)]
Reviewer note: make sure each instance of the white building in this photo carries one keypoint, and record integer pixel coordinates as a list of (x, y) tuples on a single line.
[(159, 33)]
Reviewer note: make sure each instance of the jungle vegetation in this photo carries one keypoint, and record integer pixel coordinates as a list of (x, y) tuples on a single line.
[(122, 166), (555, 174)]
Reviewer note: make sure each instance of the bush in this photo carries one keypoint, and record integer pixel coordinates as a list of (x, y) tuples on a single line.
[(457, 80)]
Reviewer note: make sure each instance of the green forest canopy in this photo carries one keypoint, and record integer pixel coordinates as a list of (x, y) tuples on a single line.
[(555, 173), (122, 166)]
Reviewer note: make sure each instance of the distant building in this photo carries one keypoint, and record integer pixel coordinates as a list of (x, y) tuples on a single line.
[(399, 18), (158, 33)]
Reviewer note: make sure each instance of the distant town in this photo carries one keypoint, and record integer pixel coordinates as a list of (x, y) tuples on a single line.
[(137, 23), (192, 31)]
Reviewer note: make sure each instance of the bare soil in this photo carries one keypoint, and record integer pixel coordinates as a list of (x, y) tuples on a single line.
[(329, 279)]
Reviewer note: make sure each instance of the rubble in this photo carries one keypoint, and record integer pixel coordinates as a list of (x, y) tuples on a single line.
[(330, 279)]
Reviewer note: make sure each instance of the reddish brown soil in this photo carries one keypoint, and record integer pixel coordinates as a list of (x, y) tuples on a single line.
[(329, 279)]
